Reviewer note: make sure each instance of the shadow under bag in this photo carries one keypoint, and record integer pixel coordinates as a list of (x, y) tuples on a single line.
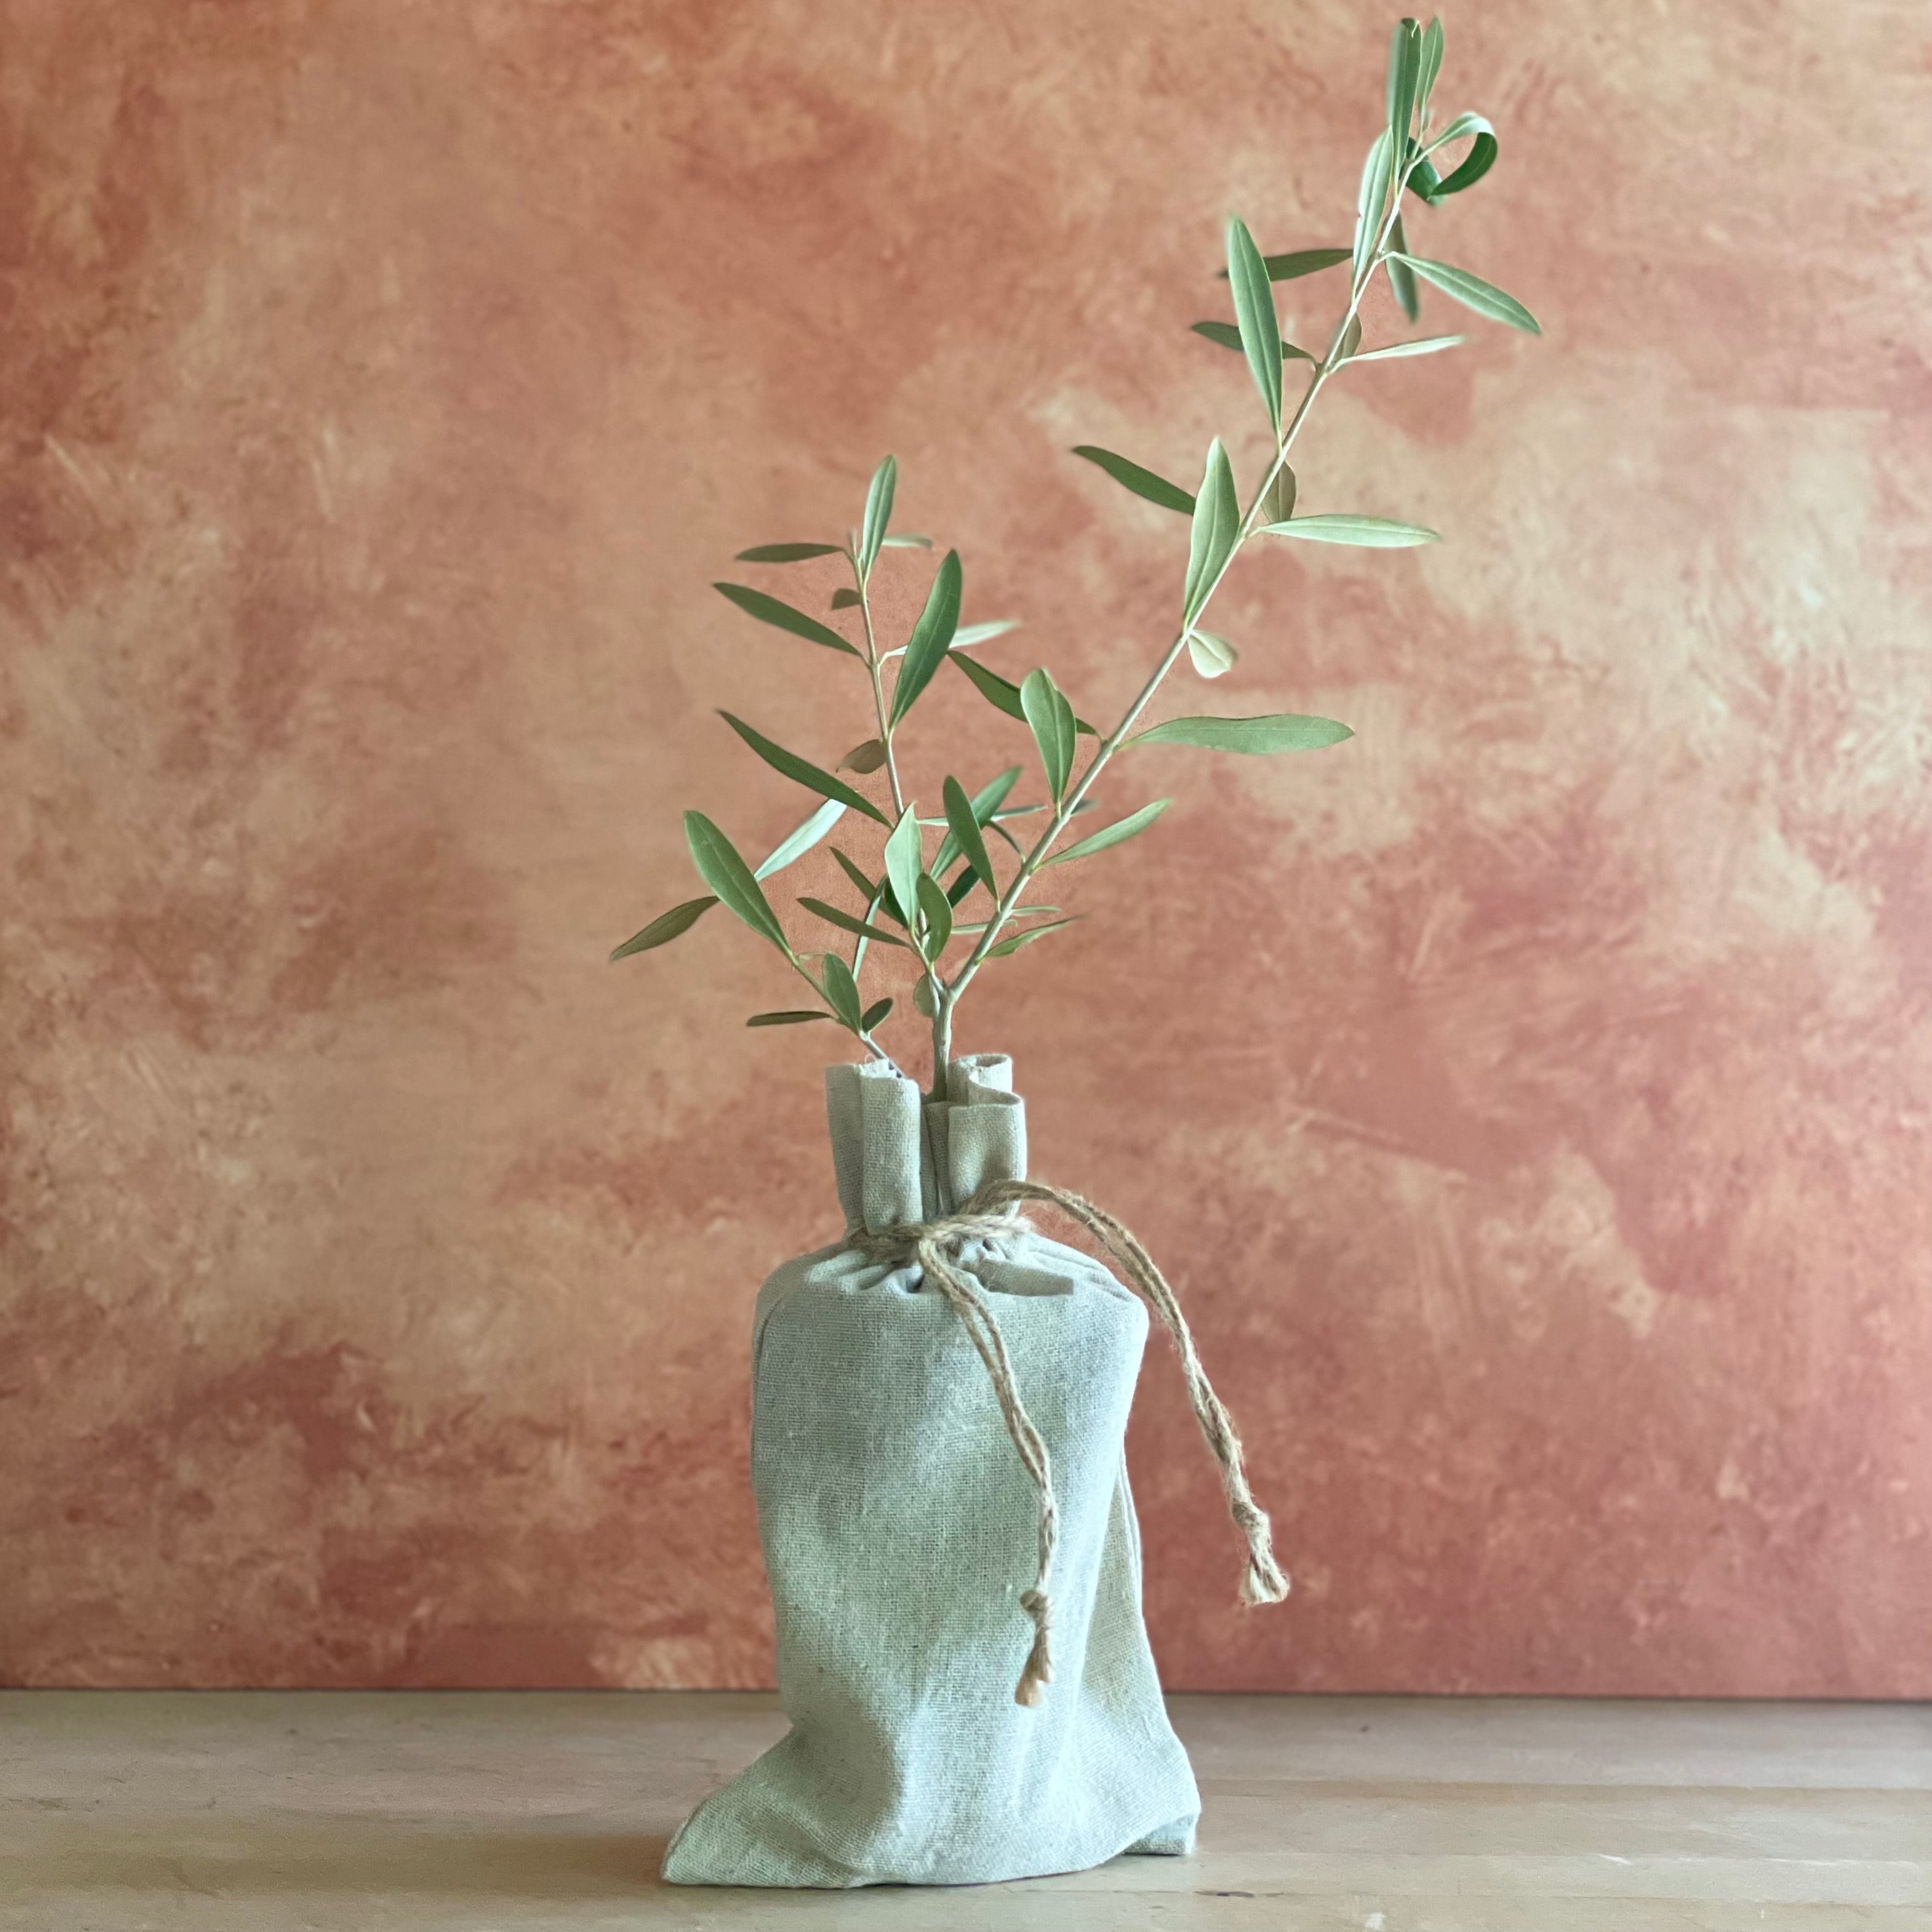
[(897, 1525)]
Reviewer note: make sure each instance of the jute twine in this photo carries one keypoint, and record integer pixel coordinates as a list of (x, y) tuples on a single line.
[(992, 1212)]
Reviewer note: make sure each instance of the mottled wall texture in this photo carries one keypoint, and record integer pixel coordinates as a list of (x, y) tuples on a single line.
[(1530, 1096)]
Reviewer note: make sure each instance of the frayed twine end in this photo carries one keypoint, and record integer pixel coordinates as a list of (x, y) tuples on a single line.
[(1263, 1581), (1030, 1690)]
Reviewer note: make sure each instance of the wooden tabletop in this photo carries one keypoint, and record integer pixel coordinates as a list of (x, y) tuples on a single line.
[(499, 1811)]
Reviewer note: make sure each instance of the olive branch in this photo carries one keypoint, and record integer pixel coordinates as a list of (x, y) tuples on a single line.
[(911, 904)]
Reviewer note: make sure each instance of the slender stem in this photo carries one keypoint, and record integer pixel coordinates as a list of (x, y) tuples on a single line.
[(873, 666), (1109, 744)]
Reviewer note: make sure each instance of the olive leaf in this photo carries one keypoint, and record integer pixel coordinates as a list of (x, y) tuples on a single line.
[(1365, 532), (863, 758), (1298, 262), (936, 917), (1371, 200), (1401, 276), (1141, 482), (796, 1017), (796, 843), (1472, 292), (1229, 336), (1007, 946), (879, 494), (666, 927), (1211, 655), (963, 823), (846, 922), (1215, 531), (787, 553), (1429, 345), (1280, 731), (931, 637), (873, 1014), (907, 540), (985, 805), (783, 616), (969, 634), (874, 892), (1431, 64), (1051, 719), (728, 875), (1004, 694), (1112, 835), (1255, 316), (905, 863), (802, 771), (1277, 503), (1405, 69), (842, 991)]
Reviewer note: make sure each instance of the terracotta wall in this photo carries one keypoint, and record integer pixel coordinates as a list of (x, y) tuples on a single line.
[(1532, 1095)]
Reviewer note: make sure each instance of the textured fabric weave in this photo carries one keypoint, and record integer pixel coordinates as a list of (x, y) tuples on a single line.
[(899, 1531)]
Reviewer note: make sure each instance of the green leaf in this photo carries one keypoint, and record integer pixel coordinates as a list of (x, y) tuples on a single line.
[(1255, 316), (1216, 530), (907, 540), (874, 1014), (847, 922), (1476, 164), (1277, 503), (847, 599), (874, 892), (1405, 69), (1229, 336), (782, 615), (936, 915), (905, 861), (1112, 835), (986, 804), (720, 868), (1472, 292), (1422, 181), (795, 1017), (864, 758), (1211, 654), (1050, 718), (931, 637), (801, 771), (963, 823), (1002, 693), (980, 924), (879, 494), (793, 553), (1298, 262), (666, 927), (795, 845), (1027, 938), (1365, 532), (1429, 345), (1372, 201), (1431, 64), (979, 633), (1141, 482), (1280, 731), (1401, 277), (842, 991)]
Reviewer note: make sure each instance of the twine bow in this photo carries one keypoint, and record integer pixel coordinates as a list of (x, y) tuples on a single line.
[(993, 1211)]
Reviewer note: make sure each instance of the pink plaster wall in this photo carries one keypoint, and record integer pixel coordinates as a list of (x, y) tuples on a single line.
[(1532, 1096)]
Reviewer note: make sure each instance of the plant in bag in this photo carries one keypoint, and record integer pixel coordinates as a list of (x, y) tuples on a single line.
[(904, 1762)]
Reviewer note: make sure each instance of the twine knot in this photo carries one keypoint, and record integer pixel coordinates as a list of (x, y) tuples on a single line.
[(995, 1210)]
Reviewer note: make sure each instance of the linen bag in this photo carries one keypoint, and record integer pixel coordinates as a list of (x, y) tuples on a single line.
[(897, 1525)]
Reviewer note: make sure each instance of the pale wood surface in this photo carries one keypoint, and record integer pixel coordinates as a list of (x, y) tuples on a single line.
[(498, 1812)]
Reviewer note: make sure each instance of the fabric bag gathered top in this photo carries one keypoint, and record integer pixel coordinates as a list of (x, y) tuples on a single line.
[(940, 1405)]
